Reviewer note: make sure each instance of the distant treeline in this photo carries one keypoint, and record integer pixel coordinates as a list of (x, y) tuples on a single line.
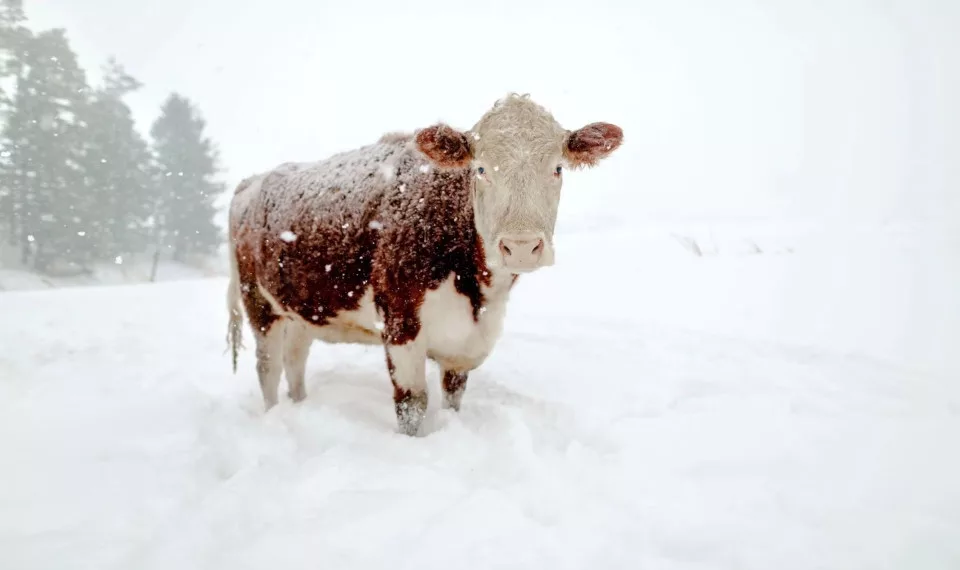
[(78, 183)]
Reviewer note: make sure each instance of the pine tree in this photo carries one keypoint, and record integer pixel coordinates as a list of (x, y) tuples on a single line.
[(43, 144), (13, 39), (187, 163), (118, 169)]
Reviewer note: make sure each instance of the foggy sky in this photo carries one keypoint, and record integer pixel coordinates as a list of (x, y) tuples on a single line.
[(832, 110)]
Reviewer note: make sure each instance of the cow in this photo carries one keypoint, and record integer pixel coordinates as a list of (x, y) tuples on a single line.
[(413, 243)]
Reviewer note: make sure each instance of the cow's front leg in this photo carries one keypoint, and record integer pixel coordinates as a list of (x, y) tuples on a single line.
[(454, 383), (407, 364)]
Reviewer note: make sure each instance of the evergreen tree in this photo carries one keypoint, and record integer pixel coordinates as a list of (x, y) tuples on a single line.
[(117, 165), (13, 37), (43, 145), (187, 163)]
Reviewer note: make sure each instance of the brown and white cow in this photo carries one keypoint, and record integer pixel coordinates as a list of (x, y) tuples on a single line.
[(413, 242)]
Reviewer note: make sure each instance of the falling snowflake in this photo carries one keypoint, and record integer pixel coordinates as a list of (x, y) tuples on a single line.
[(424, 168), (328, 267), (118, 260), (315, 317), (387, 171), (81, 234), (31, 239), (103, 161), (496, 169), (288, 236), (402, 188), (345, 226), (378, 325), (350, 294), (375, 225), (476, 136)]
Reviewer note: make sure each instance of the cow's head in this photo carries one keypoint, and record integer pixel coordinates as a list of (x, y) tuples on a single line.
[(517, 153)]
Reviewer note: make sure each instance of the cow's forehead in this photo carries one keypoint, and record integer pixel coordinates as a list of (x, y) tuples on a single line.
[(517, 130)]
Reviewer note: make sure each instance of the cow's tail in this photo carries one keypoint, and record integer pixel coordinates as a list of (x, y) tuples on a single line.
[(235, 326)]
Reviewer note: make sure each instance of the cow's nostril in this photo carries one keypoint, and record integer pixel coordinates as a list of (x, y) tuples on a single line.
[(539, 247), (505, 249)]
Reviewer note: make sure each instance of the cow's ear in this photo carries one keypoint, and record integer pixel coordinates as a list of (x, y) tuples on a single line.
[(445, 146), (591, 144)]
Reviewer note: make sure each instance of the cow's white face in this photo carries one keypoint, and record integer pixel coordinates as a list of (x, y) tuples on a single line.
[(517, 153)]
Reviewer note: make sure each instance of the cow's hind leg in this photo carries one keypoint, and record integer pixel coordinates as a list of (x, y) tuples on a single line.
[(296, 348), (454, 383), (270, 361), (268, 330)]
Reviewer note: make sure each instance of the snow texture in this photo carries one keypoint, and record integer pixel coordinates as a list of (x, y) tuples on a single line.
[(742, 413)]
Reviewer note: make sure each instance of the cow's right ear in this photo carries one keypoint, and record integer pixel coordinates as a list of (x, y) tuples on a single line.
[(445, 146)]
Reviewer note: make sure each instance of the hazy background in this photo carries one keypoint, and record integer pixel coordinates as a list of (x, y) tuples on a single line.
[(835, 112)]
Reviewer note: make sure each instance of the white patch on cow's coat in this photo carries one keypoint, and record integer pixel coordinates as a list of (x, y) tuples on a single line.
[(409, 365), (453, 337), (448, 334)]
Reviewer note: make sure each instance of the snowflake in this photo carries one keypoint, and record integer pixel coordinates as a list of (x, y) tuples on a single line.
[(387, 171), (424, 168), (375, 225), (328, 267), (288, 236), (118, 260), (402, 188), (81, 234)]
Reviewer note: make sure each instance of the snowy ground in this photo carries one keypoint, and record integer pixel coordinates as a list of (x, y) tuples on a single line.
[(778, 411), (14, 277)]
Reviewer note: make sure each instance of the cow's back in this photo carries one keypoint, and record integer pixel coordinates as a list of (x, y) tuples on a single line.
[(306, 232)]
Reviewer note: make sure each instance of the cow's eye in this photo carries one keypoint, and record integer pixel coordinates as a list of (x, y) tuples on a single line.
[(559, 170), (480, 170)]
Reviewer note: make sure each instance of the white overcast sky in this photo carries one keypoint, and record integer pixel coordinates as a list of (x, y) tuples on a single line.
[(839, 109)]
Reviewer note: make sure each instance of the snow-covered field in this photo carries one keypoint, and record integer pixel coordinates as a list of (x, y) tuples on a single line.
[(647, 408)]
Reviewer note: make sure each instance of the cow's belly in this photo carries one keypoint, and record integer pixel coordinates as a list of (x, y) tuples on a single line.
[(448, 331), (360, 326)]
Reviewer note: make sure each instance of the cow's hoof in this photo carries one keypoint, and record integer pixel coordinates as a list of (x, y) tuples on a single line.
[(451, 400), (410, 413), (297, 395)]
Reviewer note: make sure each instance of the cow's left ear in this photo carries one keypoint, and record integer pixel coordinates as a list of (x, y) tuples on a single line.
[(445, 146), (591, 144)]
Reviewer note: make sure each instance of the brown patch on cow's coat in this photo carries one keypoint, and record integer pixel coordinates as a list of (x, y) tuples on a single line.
[(590, 144), (445, 146), (454, 383), (399, 237)]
